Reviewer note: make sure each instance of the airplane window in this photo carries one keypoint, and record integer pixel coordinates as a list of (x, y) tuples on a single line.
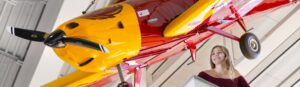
[(104, 13)]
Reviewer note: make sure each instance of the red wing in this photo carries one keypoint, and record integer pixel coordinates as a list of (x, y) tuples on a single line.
[(270, 4)]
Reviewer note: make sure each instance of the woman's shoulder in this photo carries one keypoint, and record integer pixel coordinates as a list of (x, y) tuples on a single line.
[(206, 73), (211, 73), (241, 80), (236, 74)]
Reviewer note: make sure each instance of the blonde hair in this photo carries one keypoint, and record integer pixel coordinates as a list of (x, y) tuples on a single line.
[(227, 59)]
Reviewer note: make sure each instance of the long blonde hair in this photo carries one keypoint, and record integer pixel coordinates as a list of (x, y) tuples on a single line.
[(228, 61)]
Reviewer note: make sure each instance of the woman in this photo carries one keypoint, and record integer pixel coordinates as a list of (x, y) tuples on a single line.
[(222, 73)]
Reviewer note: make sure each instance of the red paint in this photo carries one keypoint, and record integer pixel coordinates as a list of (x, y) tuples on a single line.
[(162, 12), (137, 76), (156, 48), (269, 4)]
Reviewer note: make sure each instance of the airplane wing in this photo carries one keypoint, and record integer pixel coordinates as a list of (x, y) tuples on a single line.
[(270, 4)]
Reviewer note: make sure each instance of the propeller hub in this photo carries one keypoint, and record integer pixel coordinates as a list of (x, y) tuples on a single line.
[(56, 39)]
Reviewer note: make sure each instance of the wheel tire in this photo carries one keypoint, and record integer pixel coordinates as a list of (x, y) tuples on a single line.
[(124, 84), (250, 45)]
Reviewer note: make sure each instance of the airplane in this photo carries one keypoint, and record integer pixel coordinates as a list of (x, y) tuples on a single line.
[(135, 34)]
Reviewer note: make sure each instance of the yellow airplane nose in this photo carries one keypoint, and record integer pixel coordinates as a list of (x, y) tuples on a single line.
[(116, 32)]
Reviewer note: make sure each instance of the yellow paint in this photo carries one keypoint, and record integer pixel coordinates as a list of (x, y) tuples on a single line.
[(194, 16), (78, 79), (125, 43)]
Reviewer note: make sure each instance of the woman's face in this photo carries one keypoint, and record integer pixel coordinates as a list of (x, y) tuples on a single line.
[(217, 56)]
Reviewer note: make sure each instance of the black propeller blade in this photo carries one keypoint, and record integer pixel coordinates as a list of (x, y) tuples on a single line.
[(56, 39), (27, 34), (86, 43)]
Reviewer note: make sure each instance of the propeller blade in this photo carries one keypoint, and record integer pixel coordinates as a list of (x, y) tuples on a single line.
[(27, 34), (56, 39), (86, 43)]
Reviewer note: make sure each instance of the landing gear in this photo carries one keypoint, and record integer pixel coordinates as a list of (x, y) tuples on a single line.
[(123, 82), (250, 45)]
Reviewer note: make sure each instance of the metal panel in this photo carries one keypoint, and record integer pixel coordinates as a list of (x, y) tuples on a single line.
[(19, 13)]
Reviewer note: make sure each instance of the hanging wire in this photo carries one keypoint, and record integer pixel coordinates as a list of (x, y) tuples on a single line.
[(91, 4)]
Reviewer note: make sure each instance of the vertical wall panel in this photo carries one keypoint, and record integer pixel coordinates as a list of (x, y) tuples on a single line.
[(2, 69), (4, 10), (33, 19), (18, 13), (4, 20)]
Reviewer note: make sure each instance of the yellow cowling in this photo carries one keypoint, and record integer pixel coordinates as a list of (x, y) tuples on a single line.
[(115, 27), (192, 17)]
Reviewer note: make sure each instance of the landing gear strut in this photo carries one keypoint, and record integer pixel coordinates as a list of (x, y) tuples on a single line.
[(123, 82), (249, 43)]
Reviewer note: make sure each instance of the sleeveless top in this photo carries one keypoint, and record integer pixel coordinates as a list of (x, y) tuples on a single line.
[(222, 82)]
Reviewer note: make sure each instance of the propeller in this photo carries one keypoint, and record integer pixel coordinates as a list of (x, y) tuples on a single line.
[(56, 39), (27, 34), (86, 43)]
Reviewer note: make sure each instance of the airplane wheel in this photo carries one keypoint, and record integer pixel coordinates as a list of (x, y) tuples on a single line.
[(124, 84), (250, 45)]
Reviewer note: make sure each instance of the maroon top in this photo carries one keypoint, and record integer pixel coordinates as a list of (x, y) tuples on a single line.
[(236, 82)]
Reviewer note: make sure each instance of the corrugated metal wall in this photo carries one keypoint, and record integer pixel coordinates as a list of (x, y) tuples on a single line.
[(19, 13)]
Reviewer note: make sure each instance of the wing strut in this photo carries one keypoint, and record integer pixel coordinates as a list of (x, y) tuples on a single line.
[(123, 82), (238, 17), (222, 33), (192, 47)]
